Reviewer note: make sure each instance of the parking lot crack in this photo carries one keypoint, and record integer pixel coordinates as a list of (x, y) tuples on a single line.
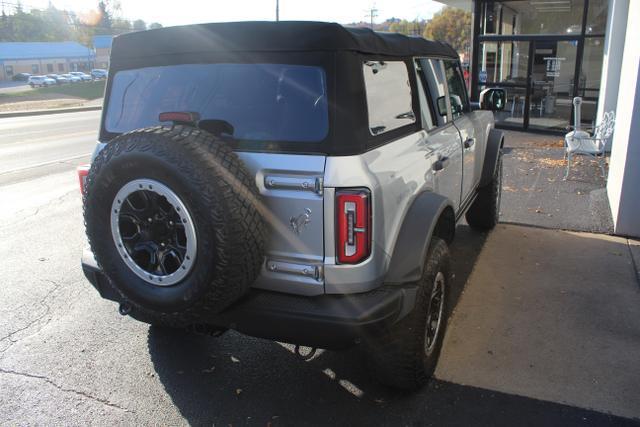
[(64, 389), (47, 310)]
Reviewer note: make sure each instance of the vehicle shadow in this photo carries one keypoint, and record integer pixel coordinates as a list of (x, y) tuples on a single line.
[(235, 379)]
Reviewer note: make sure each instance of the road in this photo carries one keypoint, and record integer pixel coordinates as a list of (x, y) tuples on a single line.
[(35, 146), (68, 357)]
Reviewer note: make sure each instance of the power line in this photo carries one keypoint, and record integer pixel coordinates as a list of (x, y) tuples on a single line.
[(372, 14)]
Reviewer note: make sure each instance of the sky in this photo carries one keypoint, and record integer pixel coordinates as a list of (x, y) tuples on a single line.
[(197, 11)]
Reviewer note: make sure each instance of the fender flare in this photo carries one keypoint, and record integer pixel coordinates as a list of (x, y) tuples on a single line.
[(413, 240), (495, 141)]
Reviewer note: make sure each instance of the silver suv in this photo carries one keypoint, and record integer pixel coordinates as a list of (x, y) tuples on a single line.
[(293, 181)]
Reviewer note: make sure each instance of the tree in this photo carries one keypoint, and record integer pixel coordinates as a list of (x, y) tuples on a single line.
[(139, 25), (452, 25), (410, 28), (155, 25), (104, 24)]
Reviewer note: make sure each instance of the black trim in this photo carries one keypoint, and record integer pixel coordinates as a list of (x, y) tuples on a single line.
[(325, 321), (526, 37), (467, 204), (475, 51)]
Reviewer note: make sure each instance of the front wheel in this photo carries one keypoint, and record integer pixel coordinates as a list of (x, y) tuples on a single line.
[(484, 213), (405, 354)]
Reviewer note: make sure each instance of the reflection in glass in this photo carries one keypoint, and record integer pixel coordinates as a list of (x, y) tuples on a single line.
[(591, 63), (533, 17), (597, 16), (552, 92), (505, 62)]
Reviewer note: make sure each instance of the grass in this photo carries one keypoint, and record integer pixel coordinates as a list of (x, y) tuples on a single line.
[(84, 90)]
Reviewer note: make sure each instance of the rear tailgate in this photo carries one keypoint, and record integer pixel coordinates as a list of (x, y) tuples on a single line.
[(291, 190)]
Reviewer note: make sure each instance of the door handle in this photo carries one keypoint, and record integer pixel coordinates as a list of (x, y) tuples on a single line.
[(469, 143), (440, 164)]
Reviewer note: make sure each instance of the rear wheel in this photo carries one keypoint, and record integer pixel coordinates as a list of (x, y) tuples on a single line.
[(405, 354), (484, 213)]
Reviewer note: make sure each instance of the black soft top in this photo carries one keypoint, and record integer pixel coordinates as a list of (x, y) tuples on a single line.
[(284, 36)]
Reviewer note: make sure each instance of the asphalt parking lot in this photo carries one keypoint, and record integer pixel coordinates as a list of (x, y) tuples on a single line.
[(545, 331)]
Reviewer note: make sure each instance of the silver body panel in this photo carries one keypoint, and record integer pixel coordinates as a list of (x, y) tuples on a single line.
[(290, 187)]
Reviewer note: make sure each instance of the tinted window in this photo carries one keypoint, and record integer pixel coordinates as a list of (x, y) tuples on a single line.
[(263, 102), (457, 88), (389, 102)]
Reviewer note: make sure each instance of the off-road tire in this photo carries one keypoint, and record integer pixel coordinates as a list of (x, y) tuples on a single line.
[(484, 213), (222, 198), (397, 356)]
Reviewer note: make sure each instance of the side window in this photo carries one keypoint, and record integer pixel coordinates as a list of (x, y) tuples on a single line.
[(457, 89), (389, 101), (434, 76), (423, 95)]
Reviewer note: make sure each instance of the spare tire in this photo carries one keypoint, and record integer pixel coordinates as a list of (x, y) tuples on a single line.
[(173, 219)]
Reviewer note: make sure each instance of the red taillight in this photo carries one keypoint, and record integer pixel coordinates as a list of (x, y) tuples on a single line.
[(353, 221), (83, 171)]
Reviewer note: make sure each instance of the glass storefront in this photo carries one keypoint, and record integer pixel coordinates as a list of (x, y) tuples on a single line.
[(543, 53)]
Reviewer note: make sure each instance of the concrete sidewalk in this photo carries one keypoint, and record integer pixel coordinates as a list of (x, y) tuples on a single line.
[(552, 315), (534, 192)]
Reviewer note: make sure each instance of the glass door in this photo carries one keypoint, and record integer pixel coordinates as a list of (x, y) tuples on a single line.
[(505, 64), (552, 67)]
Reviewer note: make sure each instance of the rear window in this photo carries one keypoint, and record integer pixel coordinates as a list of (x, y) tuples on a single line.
[(263, 102)]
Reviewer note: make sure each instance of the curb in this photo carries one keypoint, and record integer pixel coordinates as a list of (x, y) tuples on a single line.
[(51, 111)]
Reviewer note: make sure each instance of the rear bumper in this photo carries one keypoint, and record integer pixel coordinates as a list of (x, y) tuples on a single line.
[(326, 321)]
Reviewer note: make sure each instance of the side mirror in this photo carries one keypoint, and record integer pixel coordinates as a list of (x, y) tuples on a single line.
[(493, 99)]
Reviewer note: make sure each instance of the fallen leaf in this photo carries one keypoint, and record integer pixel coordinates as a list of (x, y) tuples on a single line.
[(238, 391), (208, 371), (235, 360)]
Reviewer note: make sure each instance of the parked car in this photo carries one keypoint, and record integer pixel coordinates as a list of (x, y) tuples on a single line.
[(41, 81), (82, 76), (21, 77), (306, 194), (99, 74), (58, 78), (71, 78)]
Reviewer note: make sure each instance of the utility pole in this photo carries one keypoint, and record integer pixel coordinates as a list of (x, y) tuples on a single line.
[(373, 12), (277, 10)]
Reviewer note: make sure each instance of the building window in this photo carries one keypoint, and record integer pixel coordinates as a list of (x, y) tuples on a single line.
[(597, 16), (532, 17), (35, 69), (60, 68), (9, 70), (49, 68), (389, 101)]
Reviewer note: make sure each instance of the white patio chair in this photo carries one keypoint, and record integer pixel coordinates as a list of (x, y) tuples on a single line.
[(581, 143)]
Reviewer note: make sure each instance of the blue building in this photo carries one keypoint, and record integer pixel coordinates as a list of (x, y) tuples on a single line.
[(43, 58)]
